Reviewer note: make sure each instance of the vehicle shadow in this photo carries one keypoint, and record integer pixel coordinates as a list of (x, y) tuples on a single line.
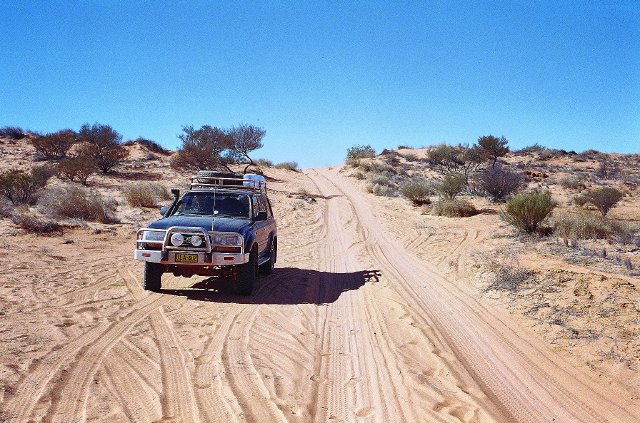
[(287, 285)]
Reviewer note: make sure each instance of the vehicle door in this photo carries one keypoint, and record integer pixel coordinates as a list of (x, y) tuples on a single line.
[(261, 227)]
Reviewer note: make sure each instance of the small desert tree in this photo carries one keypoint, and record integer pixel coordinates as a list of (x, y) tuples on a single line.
[(458, 159), (102, 144), (77, 169), (204, 148), (360, 152), (22, 187), (55, 145), (493, 147), (604, 198), (498, 183), (451, 185), (526, 211), (417, 192), (246, 138)]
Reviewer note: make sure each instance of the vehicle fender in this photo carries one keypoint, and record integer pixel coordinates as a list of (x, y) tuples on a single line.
[(249, 240)]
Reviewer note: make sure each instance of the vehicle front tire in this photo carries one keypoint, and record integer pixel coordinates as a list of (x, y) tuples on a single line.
[(248, 275), (268, 267), (152, 276)]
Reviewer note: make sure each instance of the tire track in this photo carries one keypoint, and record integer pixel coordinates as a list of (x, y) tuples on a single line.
[(532, 386), (20, 406)]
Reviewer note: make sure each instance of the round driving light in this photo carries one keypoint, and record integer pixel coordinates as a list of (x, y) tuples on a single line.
[(196, 241), (177, 239)]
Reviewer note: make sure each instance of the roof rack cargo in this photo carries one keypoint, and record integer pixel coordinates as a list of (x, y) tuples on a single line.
[(212, 180)]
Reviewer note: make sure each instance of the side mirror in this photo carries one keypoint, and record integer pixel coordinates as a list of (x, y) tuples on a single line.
[(175, 192), (164, 210), (261, 216)]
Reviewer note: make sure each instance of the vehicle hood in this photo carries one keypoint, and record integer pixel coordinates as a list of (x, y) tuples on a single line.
[(220, 224)]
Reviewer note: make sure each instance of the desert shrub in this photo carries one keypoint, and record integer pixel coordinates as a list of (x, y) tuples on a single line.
[(383, 190), (359, 176), (451, 185), (453, 208), (526, 211), (264, 163), (292, 166), (23, 187), (582, 225), (604, 198), (380, 179), (102, 144), (572, 182), (410, 157), (77, 203), (534, 148), (360, 152), (54, 145), (508, 276), (493, 147), (33, 224), (580, 200), (498, 183), (13, 132), (145, 195), (417, 192), (608, 169), (77, 169), (150, 145)]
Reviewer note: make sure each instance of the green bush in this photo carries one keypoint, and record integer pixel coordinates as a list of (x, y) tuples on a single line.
[(13, 132), (417, 192), (360, 152), (145, 195), (383, 190), (604, 198), (55, 145), (23, 187), (453, 208), (451, 185), (292, 166), (380, 179), (77, 203), (585, 225), (498, 184), (77, 169), (33, 224), (526, 211), (264, 163), (102, 144), (572, 182)]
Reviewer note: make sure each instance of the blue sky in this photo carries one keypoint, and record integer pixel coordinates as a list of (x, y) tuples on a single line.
[(322, 76)]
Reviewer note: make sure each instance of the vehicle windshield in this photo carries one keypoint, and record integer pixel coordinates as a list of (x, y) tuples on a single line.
[(226, 205)]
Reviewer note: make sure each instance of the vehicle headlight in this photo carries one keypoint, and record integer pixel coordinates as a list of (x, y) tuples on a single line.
[(177, 239), (196, 241), (227, 239), (153, 235)]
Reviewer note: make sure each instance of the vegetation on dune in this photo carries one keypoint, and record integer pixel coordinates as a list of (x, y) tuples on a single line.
[(215, 148), (21, 187), (526, 211)]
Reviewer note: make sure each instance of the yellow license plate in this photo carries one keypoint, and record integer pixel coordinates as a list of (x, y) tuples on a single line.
[(186, 258)]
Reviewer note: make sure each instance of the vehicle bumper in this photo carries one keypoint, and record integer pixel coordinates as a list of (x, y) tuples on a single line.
[(204, 259)]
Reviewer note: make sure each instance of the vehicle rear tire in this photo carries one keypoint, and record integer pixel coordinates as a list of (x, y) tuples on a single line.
[(152, 276), (248, 275), (268, 267)]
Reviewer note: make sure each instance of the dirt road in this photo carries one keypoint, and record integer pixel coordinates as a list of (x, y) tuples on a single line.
[(351, 327)]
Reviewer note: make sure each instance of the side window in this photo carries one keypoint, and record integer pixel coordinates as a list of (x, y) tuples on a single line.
[(261, 204), (254, 206), (269, 211)]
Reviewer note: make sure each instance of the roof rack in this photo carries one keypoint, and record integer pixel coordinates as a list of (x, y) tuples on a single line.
[(217, 180)]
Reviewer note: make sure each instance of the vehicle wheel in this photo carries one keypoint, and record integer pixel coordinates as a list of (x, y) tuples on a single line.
[(248, 275), (267, 268), (152, 276)]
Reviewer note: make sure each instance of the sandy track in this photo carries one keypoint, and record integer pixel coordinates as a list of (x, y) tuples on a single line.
[(351, 327), (525, 380)]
